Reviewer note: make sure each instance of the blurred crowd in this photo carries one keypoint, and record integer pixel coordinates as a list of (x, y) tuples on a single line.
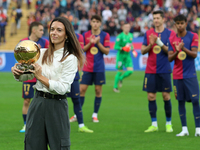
[(114, 13)]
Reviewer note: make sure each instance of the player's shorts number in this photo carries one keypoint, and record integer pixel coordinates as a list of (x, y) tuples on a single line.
[(27, 88)]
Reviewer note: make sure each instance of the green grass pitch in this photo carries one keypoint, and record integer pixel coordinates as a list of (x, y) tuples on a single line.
[(123, 118)]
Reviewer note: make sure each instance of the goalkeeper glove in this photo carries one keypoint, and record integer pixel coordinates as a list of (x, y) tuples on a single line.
[(126, 48)]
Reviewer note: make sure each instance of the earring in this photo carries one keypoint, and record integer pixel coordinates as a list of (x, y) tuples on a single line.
[(66, 40)]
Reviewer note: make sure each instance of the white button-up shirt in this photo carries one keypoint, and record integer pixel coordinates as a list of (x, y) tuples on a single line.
[(60, 74)]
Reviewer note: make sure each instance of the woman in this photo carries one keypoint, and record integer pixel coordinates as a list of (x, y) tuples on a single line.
[(47, 119)]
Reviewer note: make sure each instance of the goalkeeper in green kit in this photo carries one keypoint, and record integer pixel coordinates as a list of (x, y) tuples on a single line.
[(123, 45)]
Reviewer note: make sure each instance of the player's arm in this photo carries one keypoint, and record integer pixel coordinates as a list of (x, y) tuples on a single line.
[(194, 47), (146, 47), (161, 44), (132, 46), (105, 48), (171, 54), (87, 46), (164, 48), (192, 53), (117, 45)]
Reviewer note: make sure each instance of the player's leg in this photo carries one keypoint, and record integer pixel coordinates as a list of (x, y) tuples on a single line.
[(97, 102), (150, 87), (168, 111), (79, 116), (85, 81), (196, 112), (129, 66), (117, 77), (71, 94), (28, 93), (165, 87), (119, 67), (193, 92), (179, 92), (99, 80), (182, 114), (75, 94), (152, 111)]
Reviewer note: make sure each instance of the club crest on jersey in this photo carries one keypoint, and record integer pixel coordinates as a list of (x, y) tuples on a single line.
[(94, 50), (156, 49), (182, 55)]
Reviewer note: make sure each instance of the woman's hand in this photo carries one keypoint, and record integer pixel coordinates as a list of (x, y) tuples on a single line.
[(16, 72), (37, 70)]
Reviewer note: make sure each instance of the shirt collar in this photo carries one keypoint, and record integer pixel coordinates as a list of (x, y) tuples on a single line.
[(58, 52)]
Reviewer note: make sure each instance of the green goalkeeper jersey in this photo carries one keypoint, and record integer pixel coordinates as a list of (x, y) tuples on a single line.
[(123, 40)]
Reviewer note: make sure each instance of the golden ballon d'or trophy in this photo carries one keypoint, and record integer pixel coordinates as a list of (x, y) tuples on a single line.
[(26, 52)]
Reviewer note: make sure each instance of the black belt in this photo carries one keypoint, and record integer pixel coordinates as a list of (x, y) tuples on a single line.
[(50, 96)]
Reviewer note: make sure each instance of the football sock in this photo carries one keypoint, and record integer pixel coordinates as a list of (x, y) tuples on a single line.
[(126, 74), (168, 111), (81, 125), (82, 99), (196, 112), (182, 112), (94, 115), (184, 128), (154, 123), (152, 111), (117, 76), (24, 118), (97, 104), (78, 110)]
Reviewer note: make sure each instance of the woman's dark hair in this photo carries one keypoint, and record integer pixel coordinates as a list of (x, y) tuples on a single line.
[(71, 45)]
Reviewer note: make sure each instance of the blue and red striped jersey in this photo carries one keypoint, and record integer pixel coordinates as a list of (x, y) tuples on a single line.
[(94, 56), (184, 66), (157, 61)]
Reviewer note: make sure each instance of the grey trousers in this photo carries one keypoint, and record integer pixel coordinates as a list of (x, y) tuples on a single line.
[(47, 124)]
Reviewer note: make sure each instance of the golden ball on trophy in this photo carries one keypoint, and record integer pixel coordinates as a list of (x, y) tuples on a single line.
[(26, 52)]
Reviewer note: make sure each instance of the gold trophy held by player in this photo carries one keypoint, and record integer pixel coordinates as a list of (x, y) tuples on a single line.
[(26, 52)]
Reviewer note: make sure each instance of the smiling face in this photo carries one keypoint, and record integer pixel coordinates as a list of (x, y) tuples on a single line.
[(58, 33)]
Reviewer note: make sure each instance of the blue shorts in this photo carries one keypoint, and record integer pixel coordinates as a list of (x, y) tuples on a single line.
[(75, 90), (27, 90), (160, 82), (88, 78), (186, 89)]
